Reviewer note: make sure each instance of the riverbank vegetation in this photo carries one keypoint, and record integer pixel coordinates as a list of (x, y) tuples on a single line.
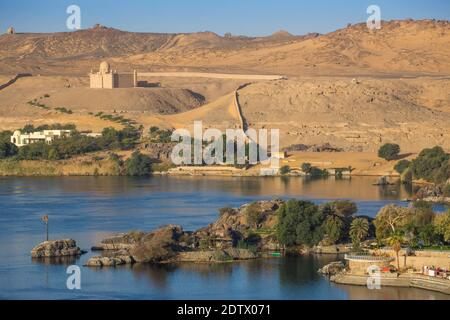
[(54, 158), (432, 165), (65, 148), (303, 223)]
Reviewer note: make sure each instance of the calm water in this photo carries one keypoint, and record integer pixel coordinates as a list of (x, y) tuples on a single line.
[(88, 208)]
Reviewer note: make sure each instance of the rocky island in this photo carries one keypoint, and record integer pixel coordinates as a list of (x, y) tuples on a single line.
[(238, 234)]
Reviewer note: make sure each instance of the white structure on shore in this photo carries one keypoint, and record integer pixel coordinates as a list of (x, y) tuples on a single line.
[(46, 136), (106, 78)]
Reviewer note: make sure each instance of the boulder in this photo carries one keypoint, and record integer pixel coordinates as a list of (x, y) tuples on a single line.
[(333, 268), (217, 256), (158, 246), (99, 261), (240, 254), (120, 241), (56, 248), (333, 249)]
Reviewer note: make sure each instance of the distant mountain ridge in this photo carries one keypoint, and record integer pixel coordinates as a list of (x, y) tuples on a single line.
[(400, 46)]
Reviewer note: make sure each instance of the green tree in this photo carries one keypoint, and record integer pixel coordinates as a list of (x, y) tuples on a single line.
[(138, 165), (284, 170), (390, 220), (306, 167), (432, 165), (7, 149), (299, 223), (395, 241), (359, 229), (389, 151), (442, 226), (401, 166), (333, 228), (428, 234)]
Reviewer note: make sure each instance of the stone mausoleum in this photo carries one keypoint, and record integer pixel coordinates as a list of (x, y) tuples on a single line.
[(106, 78)]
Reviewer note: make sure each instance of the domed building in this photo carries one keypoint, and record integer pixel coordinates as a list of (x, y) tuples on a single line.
[(106, 78), (10, 30)]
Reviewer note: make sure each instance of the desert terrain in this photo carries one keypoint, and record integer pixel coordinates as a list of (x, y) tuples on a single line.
[(354, 88)]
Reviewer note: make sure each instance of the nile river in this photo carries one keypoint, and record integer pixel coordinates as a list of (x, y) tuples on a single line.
[(88, 208)]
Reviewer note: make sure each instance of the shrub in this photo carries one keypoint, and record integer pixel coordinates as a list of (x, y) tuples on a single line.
[(64, 110), (306, 167), (160, 136), (227, 210), (56, 126), (446, 190), (401, 166), (138, 165), (7, 149), (389, 151), (284, 170), (442, 226), (316, 172), (252, 214)]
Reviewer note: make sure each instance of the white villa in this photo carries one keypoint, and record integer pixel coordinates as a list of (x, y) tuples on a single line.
[(46, 136)]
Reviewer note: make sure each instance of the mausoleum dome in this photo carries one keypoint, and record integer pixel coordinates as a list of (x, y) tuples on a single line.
[(104, 67)]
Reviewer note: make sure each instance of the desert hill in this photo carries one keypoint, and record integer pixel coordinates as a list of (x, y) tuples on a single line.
[(357, 115), (407, 46), (353, 88)]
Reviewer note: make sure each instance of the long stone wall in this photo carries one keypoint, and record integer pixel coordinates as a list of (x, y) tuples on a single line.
[(211, 75), (13, 80)]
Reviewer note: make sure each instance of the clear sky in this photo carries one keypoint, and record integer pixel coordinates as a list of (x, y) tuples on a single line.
[(249, 17)]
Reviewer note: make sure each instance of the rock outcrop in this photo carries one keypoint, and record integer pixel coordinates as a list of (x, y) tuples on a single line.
[(235, 225), (333, 268), (99, 261), (56, 248), (433, 193), (236, 235)]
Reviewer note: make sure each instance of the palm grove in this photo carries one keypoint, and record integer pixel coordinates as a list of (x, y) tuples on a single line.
[(303, 223)]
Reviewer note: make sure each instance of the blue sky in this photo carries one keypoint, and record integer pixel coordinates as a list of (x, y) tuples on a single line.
[(249, 17)]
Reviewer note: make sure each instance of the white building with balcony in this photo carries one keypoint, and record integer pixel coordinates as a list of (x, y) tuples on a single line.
[(46, 136)]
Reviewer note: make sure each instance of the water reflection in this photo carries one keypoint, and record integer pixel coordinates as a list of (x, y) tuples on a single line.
[(359, 188)]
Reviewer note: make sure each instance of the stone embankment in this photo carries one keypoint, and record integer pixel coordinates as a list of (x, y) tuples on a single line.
[(395, 280), (339, 273)]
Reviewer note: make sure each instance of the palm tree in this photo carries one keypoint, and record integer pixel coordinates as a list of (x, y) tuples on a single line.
[(395, 241), (359, 230)]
